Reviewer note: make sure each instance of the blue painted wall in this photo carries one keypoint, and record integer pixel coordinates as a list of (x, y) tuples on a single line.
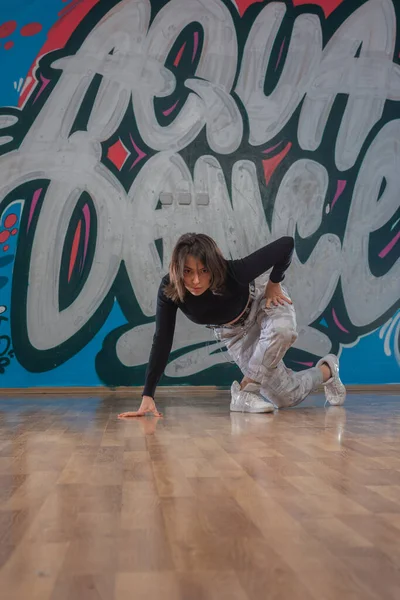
[(103, 337)]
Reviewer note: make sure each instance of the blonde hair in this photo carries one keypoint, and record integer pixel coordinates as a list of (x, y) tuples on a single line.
[(203, 248)]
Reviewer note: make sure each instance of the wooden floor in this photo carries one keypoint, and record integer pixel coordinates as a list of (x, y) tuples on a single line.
[(201, 505)]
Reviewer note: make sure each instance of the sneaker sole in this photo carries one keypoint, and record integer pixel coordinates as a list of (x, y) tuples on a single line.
[(267, 409)]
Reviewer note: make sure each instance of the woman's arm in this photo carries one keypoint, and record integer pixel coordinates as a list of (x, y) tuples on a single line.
[(278, 255), (159, 354), (162, 342)]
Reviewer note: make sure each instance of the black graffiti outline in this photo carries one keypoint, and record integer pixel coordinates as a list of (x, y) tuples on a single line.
[(108, 367)]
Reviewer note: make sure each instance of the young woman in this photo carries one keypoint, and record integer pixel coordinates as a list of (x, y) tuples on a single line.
[(257, 324)]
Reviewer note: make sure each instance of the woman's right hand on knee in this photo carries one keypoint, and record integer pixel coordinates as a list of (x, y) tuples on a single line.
[(147, 406), (274, 295)]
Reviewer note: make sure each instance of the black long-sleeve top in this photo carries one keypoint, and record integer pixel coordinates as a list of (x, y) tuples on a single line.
[(210, 308)]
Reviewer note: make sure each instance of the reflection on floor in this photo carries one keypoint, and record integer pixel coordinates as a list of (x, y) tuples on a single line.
[(202, 504)]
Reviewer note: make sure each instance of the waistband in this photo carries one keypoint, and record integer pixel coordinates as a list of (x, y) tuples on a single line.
[(242, 320)]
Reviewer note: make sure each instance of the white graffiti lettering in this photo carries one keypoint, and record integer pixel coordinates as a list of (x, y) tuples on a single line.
[(130, 54)]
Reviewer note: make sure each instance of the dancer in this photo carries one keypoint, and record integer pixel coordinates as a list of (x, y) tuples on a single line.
[(256, 323)]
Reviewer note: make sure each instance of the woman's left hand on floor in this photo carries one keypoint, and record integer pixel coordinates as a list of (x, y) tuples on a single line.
[(147, 406), (274, 295)]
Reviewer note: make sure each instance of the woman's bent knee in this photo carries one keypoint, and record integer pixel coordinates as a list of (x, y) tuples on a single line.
[(279, 342)]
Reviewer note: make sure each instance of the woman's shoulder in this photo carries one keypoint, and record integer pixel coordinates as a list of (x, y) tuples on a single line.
[(235, 276), (231, 268), (163, 297), (165, 281)]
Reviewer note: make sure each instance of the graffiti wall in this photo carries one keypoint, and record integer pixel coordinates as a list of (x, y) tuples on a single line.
[(125, 123)]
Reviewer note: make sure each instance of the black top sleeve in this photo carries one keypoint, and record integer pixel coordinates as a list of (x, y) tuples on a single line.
[(278, 255), (162, 341)]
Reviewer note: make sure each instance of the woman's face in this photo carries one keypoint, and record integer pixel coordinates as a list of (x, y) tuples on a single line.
[(196, 277)]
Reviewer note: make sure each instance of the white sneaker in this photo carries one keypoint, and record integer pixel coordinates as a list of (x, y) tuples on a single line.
[(248, 400), (335, 392)]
